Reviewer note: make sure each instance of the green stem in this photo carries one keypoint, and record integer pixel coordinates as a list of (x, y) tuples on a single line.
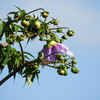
[(35, 10), (22, 52), (59, 27), (51, 66), (26, 14)]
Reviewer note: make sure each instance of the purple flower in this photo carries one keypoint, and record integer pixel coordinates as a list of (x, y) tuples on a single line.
[(54, 48)]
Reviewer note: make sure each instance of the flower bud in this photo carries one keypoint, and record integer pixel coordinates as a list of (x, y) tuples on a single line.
[(51, 21), (73, 58), (37, 24), (44, 14), (65, 59), (25, 23), (20, 38), (61, 72), (36, 66), (74, 62), (65, 73), (56, 22), (64, 37), (74, 70), (70, 33), (59, 57)]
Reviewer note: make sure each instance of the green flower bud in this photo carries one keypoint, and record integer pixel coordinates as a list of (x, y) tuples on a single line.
[(77, 70), (65, 59), (74, 62), (61, 66), (56, 22), (70, 33), (37, 24), (25, 23), (61, 72), (44, 14), (73, 58), (36, 66), (10, 40), (59, 57), (64, 37), (65, 73), (74, 70), (59, 30), (51, 21), (20, 38)]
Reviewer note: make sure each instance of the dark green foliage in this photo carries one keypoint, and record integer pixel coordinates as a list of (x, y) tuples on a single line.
[(22, 25)]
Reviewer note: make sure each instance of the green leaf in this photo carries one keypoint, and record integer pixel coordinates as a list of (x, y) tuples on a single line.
[(0, 19), (29, 54), (18, 8), (16, 29), (27, 57), (9, 18), (21, 28), (5, 61), (37, 77), (30, 79), (17, 62), (1, 28), (12, 13)]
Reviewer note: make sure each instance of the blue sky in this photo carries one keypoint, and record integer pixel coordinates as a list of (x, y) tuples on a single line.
[(83, 16)]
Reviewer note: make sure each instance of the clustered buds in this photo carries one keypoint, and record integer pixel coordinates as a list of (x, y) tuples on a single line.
[(54, 21), (62, 70), (66, 64), (23, 25)]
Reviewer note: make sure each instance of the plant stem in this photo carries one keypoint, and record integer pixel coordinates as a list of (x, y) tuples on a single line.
[(35, 10), (22, 52), (26, 14), (58, 28), (14, 72)]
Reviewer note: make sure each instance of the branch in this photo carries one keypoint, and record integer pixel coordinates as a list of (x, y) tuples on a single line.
[(35, 10), (14, 72), (25, 15), (58, 28), (30, 34)]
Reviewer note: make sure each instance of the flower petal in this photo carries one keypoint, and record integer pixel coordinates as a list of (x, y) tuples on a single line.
[(54, 50), (70, 53), (65, 49), (47, 51)]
